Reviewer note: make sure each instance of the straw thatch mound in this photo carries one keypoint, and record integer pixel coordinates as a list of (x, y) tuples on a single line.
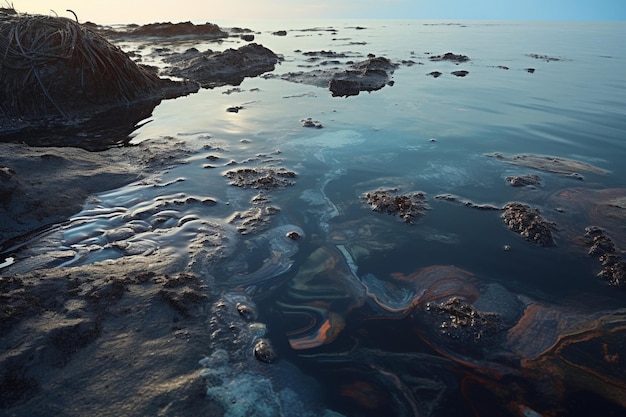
[(55, 67)]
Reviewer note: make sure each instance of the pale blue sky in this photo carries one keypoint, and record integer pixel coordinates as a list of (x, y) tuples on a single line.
[(145, 11)]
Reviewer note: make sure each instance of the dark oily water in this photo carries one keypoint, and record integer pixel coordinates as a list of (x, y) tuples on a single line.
[(445, 310)]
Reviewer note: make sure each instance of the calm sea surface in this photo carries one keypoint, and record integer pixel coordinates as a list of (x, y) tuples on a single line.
[(431, 135)]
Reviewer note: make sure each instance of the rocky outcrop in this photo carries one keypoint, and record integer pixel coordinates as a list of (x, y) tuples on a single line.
[(369, 75), (528, 222), (603, 248), (406, 206), (211, 69)]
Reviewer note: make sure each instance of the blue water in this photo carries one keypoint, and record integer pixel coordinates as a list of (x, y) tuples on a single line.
[(421, 134)]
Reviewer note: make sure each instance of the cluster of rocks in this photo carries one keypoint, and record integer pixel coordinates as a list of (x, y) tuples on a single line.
[(406, 206), (449, 56), (603, 248), (529, 223), (230, 67), (260, 178), (462, 322)]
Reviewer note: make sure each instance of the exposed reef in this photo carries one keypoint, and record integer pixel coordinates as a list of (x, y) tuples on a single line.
[(602, 247), (449, 56), (528, 222), (408, 207), (523, 180), (260, 178), (211, 69), (370, 75)]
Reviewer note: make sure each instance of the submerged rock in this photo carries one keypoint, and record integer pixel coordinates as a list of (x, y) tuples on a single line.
[(523, 180), (527, 221), (556, 165), (212, 69)]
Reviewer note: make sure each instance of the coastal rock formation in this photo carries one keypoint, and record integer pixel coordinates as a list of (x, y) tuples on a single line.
[(230, 67), (449, 56), (523, 180), (528, 222), (370, 75), (461, 73), (603, 248), (167, 29), (406, 206), (260, 178)]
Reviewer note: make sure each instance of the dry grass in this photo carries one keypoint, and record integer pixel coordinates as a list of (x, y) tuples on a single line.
[(54, 66)]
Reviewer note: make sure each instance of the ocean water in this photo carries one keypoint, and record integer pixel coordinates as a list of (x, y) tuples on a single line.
[(351, 307)]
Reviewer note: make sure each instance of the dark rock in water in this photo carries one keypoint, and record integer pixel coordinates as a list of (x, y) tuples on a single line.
[(248, 37), (406, 206), (308, 122), (528, 222), (280, 33), (449, 56), (503, 67), (212, 69), (524, 180), (462, 322), (434, 74), (263, 178), (461, 73), (264, 352), (168, 29), (234, 109), (603, 248), (369, 75), (530, 70)]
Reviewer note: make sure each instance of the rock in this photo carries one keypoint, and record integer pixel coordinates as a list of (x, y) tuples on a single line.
[(528, 222), (167, 29), (461, 73), (212, 69), (524, 180), (248, 37), (434, 74), (603, 248), (260, 178), (308, 122), (407, 206), (449, 56), (530, 70), (370, 75), (280, 33)]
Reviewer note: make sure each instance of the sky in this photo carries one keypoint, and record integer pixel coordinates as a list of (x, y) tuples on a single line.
[(148, 11)]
